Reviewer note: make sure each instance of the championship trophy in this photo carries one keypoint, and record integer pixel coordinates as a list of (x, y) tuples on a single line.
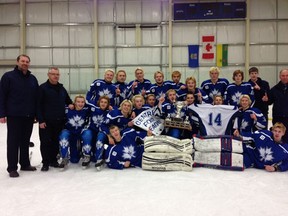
[(177, 121)]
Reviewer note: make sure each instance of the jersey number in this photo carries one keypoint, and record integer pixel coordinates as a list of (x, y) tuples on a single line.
[(217, 120)]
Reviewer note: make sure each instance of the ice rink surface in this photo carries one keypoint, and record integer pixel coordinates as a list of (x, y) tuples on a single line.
[(136, 192)]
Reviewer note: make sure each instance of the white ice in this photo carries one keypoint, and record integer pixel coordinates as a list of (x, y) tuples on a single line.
[(136, 192)]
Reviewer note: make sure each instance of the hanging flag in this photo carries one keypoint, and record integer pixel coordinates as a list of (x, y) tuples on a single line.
[(208, 47), (193, 51), (222, 55)]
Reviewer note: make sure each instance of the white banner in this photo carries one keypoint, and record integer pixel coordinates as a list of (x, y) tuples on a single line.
[(148, 121)]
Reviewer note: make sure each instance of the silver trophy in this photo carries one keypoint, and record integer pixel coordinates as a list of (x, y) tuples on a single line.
[(177, 121)]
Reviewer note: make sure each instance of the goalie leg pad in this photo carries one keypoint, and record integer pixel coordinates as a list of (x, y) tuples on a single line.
[(167, 144), (218, 144), (219, 160), (167, 161)]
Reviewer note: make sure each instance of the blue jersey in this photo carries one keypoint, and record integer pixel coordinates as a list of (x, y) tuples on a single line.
[(213, 89), (234, 92), (138, 111), (77, 119), (97, 117), (124, 93), (100, 88), (265, 152), (175, 86), (246, 124), (125, 150), (182, 93), (145, 85), (160, 91), (115, 117)]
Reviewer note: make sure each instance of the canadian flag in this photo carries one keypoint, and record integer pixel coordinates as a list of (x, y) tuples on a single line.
[(208, 47)]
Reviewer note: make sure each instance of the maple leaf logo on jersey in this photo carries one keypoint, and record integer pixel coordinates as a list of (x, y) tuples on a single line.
[(161, 94), (266, 154), (236, 97), (244, 124), (124, 93), (86, 148), (64, 143), (97, 120), (76, 121), (213, 93), (128, 152), (105, 92), (99, 144)]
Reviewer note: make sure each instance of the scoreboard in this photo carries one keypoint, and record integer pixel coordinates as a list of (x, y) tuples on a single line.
[(215, 10)]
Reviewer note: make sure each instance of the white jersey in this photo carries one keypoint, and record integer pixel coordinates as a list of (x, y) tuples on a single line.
[(213, 119)]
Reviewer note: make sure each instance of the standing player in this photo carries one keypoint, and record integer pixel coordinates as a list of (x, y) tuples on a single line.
[(261, 89), (101, 87), (159, 88), (140, 85), (215, 85), (176, 77), (235, 90), (199, 95), (122, 91)]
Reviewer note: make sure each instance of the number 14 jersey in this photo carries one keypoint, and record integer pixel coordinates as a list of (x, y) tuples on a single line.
[(213, 119)]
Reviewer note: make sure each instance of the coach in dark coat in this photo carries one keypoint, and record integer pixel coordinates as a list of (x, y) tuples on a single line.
[(18, 100), (278, 96), (52, 100)]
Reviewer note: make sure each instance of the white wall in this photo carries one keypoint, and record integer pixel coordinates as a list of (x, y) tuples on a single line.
[(61, 33)]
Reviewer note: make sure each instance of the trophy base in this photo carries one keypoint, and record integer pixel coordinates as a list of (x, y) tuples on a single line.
[(176, 123)]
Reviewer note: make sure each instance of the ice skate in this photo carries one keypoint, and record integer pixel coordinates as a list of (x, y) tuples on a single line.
[(63, 164), (86, 161), (99, 165)]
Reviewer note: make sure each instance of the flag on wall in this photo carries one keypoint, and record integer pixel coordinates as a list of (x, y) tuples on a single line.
[(193, 51), (208, 47), (222, 55)]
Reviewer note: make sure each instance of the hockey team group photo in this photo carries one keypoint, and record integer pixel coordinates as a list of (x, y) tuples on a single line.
[(159, 125)]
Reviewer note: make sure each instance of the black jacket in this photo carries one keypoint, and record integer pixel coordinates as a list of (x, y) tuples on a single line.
[(258, 94), (18, 94), (52, 100), (278, 96)]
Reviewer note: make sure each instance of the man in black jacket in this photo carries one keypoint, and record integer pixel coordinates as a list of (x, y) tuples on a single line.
[(261, 89), (52, 99), (18, 100), (278, 96)]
